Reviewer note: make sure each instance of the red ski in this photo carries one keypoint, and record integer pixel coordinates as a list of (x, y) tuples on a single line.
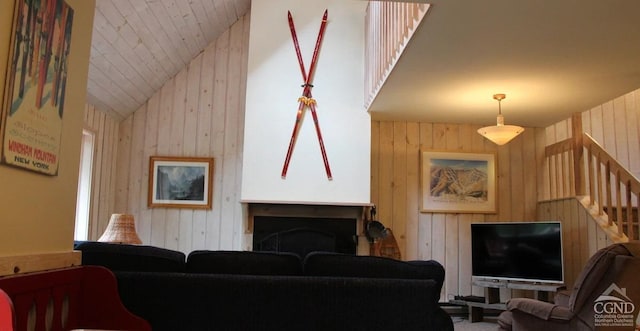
[(306, 100)]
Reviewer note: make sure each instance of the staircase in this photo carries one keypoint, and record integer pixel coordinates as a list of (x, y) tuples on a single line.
[(626, 221), (579, 167)]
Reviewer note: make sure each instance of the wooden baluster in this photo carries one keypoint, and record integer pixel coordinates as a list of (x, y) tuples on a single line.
[(559, 185), (572, 175), (563, 176), (619, 220), (552, 181), (629, 217), (600, 183), (635, 221), (591, 183), (607, 174)]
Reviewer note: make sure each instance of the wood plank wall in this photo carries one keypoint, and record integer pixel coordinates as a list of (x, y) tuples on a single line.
[(199, 112), (615, 125), (581, 235), (444, 237)]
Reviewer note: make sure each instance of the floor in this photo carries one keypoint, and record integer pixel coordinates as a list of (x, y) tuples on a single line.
[(460, 316), (463, 324)]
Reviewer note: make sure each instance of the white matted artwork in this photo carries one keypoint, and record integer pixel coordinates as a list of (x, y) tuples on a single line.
[(180, 182), (457, 182)]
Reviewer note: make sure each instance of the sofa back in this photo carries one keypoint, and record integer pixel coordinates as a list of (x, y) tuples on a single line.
[(140, 258), (244, 263), (345, 265), (124, 257)]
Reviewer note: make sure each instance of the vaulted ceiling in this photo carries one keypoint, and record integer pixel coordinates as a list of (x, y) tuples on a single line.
[(551, 57), (140, 44)]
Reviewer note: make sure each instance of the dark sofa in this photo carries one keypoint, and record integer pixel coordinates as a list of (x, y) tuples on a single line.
[(233, 290)]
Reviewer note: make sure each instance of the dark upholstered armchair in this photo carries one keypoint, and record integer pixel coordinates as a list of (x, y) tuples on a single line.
[(611, 272)]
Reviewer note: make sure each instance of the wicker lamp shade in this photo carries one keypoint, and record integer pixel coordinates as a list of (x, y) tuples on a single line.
[(121, 229)]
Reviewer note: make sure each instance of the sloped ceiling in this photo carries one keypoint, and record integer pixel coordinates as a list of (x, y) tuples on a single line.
[(551, 57), (140, 44)]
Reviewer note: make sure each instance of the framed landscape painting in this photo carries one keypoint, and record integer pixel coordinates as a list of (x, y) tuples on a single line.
[(180, 182), (453, 182)]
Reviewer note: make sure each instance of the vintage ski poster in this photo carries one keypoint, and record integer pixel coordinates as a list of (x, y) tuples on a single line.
[(34, 96)]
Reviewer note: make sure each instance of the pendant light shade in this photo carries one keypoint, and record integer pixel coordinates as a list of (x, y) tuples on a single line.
[(500, 134)]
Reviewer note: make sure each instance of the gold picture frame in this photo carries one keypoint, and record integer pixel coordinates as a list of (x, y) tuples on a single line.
[(180, 182), (458, 182)]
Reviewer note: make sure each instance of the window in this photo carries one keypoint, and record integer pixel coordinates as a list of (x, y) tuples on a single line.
[(83, 200)]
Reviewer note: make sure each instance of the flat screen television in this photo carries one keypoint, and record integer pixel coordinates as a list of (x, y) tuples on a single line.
[(517, 251)]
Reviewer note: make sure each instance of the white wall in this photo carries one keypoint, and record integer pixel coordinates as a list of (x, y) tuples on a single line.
[(38, 211), (615, 125), (273, 87)]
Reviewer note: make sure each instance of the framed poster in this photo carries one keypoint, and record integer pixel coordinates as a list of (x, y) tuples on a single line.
[(31, 119), (180, 182), (453, 182)]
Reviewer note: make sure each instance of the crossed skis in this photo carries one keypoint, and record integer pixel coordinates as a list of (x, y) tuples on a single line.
[(306, 100)]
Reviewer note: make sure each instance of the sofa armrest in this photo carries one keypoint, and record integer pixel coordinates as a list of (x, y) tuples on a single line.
[(540, 309), (562, 298)]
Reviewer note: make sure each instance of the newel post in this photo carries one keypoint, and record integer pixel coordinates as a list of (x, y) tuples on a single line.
[(578, 153)]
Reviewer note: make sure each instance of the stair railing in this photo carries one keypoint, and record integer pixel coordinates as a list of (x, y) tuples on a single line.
[(389, 26), (612, 192)]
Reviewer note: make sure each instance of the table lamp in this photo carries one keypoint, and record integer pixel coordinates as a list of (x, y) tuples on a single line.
[(121, 229)]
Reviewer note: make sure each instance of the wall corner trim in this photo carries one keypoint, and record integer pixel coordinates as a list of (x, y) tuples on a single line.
[(19, 264)]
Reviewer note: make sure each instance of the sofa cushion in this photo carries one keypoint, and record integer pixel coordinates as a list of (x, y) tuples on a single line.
[(244, 263), (124, 257), (197, 302), (344, 265)]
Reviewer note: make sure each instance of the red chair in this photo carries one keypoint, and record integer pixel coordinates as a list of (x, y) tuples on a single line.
[(83, 297), (7, 314)]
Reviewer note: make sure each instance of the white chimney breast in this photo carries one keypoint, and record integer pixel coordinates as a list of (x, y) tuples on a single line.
[(273, 88)]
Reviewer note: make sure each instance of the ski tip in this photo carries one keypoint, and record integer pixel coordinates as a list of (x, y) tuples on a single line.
[(326, 13)]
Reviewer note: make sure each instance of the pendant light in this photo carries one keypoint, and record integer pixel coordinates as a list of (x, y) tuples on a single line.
[(500, 134)]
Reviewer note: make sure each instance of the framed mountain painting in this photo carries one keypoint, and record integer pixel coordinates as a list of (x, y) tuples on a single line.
[(455, 182), (180, 182)]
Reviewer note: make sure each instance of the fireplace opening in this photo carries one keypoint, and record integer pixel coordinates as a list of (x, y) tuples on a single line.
[(302, 235)]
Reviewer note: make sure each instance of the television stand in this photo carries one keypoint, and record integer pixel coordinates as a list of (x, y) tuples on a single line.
[(492, 295)]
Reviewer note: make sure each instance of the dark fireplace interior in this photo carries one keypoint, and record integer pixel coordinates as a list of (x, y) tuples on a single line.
[(302, 235)]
